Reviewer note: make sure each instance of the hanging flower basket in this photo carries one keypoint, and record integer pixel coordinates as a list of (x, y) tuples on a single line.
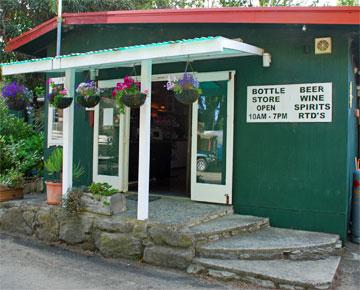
[(16, 96), (88, 101), (186, 89), (127, 93), (58, 96), (187, 96), (88, 94), (134, 100)]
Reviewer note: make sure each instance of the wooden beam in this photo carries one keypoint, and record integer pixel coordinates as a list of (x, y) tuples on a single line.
[(144, 143), (68, 134)]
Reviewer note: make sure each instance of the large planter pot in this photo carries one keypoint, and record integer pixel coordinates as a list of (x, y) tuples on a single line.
[(7, 193), (88, 101), (33, 185), (134, 101), (187, 97), (53, 192)]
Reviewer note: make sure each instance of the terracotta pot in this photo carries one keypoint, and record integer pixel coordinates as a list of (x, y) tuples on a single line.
[(7, 193), (53, 192)]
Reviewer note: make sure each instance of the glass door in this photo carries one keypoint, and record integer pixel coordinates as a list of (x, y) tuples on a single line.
[(212, 140), (109, 144)]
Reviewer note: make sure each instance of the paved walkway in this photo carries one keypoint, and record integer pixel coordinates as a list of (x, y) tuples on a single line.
[(30, 265), (26, 264), (349, 276)]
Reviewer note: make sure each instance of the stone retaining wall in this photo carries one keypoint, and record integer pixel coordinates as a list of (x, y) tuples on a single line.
[(115, 236)]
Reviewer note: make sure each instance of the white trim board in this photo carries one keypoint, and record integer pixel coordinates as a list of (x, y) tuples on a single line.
[(196, 49), (201, 76)]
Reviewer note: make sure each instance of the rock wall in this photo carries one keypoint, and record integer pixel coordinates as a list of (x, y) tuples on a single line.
[(111, 236)]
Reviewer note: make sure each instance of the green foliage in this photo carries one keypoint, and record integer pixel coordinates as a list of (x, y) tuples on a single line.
[(103, 189), (73, 203), (53, 165), (78, 171), (12, 178), (347, 2), (21, 148), (39, 91), (263, 3)]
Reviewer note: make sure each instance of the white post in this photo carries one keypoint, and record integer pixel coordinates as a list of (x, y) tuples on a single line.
[(144, 143), (68, 133)]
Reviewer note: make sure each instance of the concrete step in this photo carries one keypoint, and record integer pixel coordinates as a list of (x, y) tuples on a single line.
[(275, 274), (272, 243), (226, 226)]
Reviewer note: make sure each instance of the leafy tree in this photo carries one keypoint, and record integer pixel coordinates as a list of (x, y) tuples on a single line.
[(347, 2)]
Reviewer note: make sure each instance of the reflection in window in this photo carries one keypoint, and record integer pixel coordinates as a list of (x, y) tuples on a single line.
[(57, 125), (108, 140), (211, 136), (55, 119)]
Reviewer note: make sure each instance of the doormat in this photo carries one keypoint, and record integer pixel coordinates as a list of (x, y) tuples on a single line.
[(135, 197)]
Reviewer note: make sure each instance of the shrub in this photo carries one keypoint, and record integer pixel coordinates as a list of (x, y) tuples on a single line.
[(21, 148), (103, 189), (73, 203)]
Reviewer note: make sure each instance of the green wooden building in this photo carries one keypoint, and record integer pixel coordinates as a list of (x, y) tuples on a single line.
[(274, 131)]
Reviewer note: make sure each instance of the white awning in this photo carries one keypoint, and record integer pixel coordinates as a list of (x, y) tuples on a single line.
[(164, 52)]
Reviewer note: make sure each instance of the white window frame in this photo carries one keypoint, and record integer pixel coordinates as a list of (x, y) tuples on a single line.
[(51, 110)]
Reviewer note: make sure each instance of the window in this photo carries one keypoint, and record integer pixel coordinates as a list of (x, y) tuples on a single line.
[(55, 121)]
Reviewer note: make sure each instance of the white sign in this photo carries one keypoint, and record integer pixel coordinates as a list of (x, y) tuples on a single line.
[(290, 103)]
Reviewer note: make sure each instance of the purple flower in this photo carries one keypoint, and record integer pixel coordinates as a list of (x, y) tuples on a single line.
[(16, 96)]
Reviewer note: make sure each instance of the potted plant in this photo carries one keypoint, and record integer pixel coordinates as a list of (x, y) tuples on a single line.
[(186, 89), (127, 93), (53, 166), (16, 96), (88, 94), (58, 97), (11, 185)]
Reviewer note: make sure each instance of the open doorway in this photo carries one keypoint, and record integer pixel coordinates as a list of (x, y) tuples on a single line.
[(170, 141)]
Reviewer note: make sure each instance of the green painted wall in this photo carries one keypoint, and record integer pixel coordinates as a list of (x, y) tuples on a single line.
[(297, 174), (83, 137)]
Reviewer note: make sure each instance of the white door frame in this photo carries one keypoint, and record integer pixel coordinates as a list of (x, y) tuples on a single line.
[(125, 120), (120, 181), (207, 192)]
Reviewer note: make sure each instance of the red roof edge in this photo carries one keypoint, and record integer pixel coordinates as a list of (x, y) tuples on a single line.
[(270, 15), (31, 34)]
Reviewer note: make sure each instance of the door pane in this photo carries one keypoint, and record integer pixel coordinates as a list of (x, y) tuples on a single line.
[(211, 133), (108, 140)]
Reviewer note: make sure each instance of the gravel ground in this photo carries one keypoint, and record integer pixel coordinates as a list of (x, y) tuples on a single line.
[(349, 274)]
